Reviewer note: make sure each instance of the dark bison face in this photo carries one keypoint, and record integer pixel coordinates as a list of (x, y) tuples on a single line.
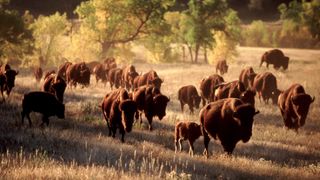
[(85, 77), (60, 111), (275, 96), (127, 108), (10, 78), (301, 104), (285, 62), (248, 97), (59, 86), (244, 114), (197, 100), (159, 105), (157, 82)]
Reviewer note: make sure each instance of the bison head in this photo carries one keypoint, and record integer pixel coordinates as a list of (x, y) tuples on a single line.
[(59, 86), (301, 103), (248, 97), (10, 78), (285, 63), (159, 105), (244, 114), (197, 100), (127, 108), (157, 82)]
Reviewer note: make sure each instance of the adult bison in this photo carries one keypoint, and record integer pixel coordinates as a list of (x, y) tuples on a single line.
[(150, 102), (294, 106), (91, 65), (234, 89), (189, 95), (229, 120), (265, 84), (7, 78), (101, 73), (207, 86), (128, 74), (62, 69), (115, 77), (56, 85), (275, 57), (222, 66), (149, 78), (78, 73), (118, 110), (247, 76), (48, 73), (42, 102), (38, 73)]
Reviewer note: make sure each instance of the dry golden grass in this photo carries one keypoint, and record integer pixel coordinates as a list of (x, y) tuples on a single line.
[(78, 146)]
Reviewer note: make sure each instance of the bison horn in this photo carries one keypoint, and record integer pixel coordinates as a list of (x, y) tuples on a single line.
[(257, 112), (312, 100)]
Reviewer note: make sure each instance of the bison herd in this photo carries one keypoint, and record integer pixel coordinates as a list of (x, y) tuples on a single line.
[(228, 108)]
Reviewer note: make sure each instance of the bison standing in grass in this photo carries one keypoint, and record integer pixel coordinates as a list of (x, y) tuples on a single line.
[(38, 73), (190, 131), (222, 67), (42, 102), (7, 79), (275, 57), (56, 85), (247, 76), (265, 84), (189, 95), (294, 106), (229, 120), (118, 110), (207, 87)]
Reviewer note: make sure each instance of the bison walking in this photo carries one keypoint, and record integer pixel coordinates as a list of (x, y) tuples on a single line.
[(222, 67), (7, 78), (189, 95), (275, 57), (229, 120), (265, 85)]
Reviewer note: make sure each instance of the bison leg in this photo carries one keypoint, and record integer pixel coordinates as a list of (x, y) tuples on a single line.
[(180, 144), (203, 101), (228, 147), (191, 148), (28, 117), (206, 140), (122, 132), (150, 122), (114, 130), (181, 105), (288, 121), (191, 109)]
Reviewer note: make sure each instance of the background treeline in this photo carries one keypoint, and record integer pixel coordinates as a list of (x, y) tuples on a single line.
[(165, 31)]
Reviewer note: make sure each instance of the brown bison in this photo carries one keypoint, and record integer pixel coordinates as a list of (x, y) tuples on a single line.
[(48, 73), (294, 105), (265, 84), (207, 87), (129, 73), (229, 120), (118, 110), (78, 73), (247, 76), (7, 78), (110, 62), (234, 89), (149, 78), (91, 65), (150, 101), (275, 57), (42, 102), (38, 73), (56, 85), (222, 67), (190, 131), (115, 77), (62, 70), (189, 95), (101, 73)]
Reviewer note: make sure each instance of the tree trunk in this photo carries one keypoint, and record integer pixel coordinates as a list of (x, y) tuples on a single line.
[(105, 48), (205, 55), (190, 52), (183, 54), (196, 53)]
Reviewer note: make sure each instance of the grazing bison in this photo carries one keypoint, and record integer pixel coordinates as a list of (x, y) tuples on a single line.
[(149, 78), (190, 131), (37, 72), (7, 78), (222, 67), (62, 70), (101, 73), (189, 95), (78, 73), (294, 105), (115, 77), (207, 87), (234, 89), (118, 110), (150, 101), (247, 76), (229, 120), (42, 102), (56, 85), (129, 73), (275, 57), (265, 84)]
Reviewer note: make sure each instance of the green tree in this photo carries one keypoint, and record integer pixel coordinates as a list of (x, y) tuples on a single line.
[(49, 33)]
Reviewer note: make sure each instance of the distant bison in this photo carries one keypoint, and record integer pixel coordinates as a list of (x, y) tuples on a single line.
[(48, 73), (294, 105), (222, 67), (78, 73), (207, 87), (128, 74), (265, 84), (118, 110), (7, 78), (101, 73), (38, 73), (115, 77), (189, 95), (91, 65), (247, 76), (149, 78), (190, 131), (56, 85), (150, 101), (42, 102), (62, 69), (275, 57), (229, 120)]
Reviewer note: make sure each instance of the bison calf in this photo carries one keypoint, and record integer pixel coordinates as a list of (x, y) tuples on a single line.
[(190, 131), (42, 102)]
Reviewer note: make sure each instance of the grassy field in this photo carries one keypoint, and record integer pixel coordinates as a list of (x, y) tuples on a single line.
[(78, 147)]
